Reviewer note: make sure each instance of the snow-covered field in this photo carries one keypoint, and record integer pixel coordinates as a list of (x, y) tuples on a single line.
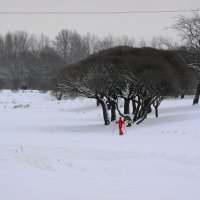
[(51, 150)]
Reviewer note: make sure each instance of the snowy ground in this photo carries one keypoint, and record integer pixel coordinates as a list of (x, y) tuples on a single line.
[(52, 150)]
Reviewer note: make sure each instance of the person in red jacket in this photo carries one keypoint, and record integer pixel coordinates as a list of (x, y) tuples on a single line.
[(120, 123)]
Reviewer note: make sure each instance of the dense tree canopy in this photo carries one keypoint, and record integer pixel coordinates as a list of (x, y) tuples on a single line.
[(142, 75)]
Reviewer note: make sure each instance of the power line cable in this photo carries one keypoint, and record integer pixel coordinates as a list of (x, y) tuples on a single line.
[(95, 13)]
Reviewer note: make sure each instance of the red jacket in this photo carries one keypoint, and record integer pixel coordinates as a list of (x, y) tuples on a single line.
[(120, 122)]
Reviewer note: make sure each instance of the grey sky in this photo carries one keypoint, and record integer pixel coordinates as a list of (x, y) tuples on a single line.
[(136, 25)]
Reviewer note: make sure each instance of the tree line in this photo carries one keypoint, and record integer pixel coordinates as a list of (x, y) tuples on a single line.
[(30, 61)]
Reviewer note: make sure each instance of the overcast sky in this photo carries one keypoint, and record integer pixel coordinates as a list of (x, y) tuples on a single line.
[(135, 25)]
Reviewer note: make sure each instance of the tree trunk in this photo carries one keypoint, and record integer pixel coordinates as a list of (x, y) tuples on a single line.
[(98, 102), (156, 111), (149, 109), (182, 95), (113, 111), (105, 111), (145, 108), (135, 118), (143, 117), (196, 97), (134, 106), (126, 106), (59, 95)]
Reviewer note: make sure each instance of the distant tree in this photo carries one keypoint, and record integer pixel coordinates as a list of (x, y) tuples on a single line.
[(178, 57), (1, 45), (49, 64), (189, 29), (97, 44), (71, 46), (155, 42), (62, 44), (42, 42), (20, 42), (142, 43), (93, 42), (124, 40), (8, 44)]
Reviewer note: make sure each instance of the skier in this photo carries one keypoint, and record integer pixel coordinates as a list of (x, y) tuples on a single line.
[(120, 123)]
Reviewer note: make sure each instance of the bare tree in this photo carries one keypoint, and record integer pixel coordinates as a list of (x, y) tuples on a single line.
[(8, 44), (93, 43), (62, 44), (20, 42), (1, 45), (186, 74), (189, 30), (124, 40), (71, 46), (155, 42), (43, 42), (142, 43)]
